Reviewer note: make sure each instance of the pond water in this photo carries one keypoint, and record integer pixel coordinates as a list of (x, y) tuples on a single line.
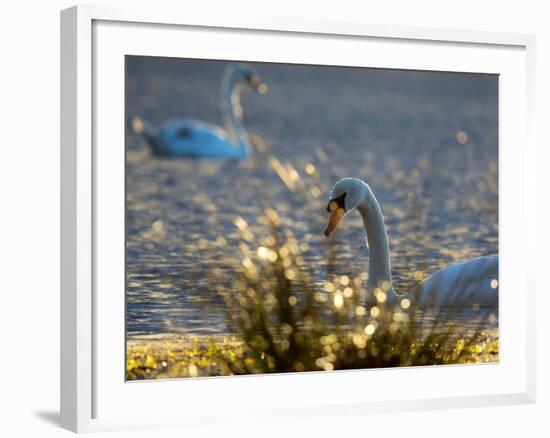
[(426, 143)]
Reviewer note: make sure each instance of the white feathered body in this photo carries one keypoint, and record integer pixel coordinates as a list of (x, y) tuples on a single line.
[(470, 283)]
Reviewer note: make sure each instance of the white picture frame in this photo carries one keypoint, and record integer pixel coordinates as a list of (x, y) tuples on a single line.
[(89, 398)]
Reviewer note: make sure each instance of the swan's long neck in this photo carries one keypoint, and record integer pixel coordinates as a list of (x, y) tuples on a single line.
[(233, 112), (377, 238)]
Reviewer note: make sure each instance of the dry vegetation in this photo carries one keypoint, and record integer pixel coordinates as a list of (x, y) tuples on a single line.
[(286, 322)]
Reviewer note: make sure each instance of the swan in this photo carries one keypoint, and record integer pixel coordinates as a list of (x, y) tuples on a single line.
[(196, 139), (470, 283)]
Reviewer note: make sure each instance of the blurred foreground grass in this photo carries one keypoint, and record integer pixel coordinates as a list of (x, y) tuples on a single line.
[(284, 321), (162, 359)]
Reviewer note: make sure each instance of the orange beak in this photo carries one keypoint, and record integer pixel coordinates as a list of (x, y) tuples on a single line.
[(336, 214)]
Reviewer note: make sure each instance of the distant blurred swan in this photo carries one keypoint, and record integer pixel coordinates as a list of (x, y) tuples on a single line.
[(196, 139), (470, 283)]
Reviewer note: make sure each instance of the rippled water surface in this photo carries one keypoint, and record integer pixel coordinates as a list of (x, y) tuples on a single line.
[(426, 143)]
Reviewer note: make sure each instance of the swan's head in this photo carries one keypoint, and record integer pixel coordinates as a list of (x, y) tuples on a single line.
[(246, 75), (345, 195)]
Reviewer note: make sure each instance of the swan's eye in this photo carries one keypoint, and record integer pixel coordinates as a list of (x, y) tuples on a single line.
[(253, 79), (337, 203)]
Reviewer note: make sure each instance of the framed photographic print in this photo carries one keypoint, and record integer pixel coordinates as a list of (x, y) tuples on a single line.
[(295, 217)]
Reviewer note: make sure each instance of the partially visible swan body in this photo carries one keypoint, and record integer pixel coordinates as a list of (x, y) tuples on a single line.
[(470, 283), (195, 139)]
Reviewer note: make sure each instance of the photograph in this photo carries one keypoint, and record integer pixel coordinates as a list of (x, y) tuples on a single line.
[(234, 219), (287, 218)]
